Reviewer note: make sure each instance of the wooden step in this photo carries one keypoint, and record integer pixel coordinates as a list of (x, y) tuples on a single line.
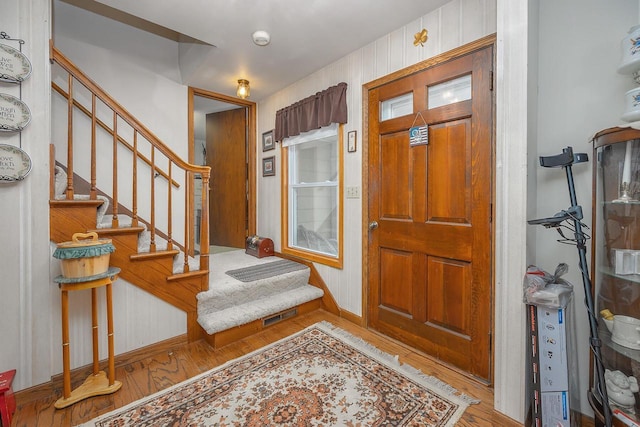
[(142, 256), (120, 230), (197, 273), (222, 338), (71, 216), (73, 203)]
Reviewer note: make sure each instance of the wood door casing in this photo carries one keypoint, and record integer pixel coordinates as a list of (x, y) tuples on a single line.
[(430, 259), (227, 156)]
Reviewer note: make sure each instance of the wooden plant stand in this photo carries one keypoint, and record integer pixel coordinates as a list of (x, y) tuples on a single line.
[(97, 383)]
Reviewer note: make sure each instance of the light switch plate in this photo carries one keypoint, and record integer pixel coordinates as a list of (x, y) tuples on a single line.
[(352, 192)]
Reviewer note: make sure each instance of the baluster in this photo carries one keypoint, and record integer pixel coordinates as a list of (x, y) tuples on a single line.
[(114, 221), (187, 219), (93, 191), (169, 207), (204, 224), (134, 220), (69, 192), (152, 230)]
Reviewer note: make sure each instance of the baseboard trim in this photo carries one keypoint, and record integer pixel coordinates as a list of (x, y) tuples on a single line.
[(328, 302), (44, 390), (353, 318)]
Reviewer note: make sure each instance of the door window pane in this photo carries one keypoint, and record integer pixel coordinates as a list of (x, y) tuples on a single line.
[(450, 92), (396, 107)]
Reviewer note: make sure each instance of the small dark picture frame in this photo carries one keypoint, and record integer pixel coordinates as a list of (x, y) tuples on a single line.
[(269, 166), (352, 141), (267, 141)]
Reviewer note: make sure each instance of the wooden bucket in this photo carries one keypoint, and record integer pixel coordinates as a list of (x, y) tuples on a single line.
[(84, 256)]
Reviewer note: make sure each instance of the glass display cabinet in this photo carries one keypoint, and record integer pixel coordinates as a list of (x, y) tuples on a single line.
[(616, 270)]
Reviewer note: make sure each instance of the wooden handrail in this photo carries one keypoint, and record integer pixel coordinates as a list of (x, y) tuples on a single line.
[(66, 64)]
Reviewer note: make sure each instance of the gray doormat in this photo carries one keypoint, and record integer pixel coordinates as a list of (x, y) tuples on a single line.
[(264, 271)]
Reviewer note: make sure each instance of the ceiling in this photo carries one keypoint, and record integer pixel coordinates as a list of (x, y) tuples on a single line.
[(305, 35)]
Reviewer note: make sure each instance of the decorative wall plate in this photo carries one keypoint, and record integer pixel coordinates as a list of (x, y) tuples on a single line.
[(14, 66), (15, 164), (14, 114)]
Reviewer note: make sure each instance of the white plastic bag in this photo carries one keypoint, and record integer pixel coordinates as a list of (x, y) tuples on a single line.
[(546, 290)]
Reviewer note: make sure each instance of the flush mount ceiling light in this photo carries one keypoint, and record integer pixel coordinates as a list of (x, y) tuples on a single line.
[(243, 88), (261, 38)]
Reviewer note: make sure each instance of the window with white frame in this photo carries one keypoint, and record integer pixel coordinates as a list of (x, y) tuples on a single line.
[(313, 215)]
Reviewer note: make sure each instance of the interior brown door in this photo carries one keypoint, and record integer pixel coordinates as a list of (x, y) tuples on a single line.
[(430, 251), (227, 156)]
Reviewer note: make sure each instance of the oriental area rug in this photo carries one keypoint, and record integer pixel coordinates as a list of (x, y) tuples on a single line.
[(321, 376)]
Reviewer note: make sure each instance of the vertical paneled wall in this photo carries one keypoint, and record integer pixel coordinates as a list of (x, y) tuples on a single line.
[(456, 23), (24, 219)]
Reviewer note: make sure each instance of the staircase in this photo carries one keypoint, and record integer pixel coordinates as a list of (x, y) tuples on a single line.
[(151, 194), (149, 214)]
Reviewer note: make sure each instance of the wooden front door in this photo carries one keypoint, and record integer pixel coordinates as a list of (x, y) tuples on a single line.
[(227, 156), (430, 250)]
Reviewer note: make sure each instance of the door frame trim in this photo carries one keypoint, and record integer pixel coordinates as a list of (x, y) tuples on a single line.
[(251, 148), (481, 43)]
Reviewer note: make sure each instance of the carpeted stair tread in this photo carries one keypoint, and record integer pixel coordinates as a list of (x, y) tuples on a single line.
[(237, 315), (220, 297), (226, 291)]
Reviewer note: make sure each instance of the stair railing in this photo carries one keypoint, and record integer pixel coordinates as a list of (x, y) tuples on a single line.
[(161, 179)]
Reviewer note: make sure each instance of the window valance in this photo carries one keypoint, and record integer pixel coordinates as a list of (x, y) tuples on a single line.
[(314, 112)]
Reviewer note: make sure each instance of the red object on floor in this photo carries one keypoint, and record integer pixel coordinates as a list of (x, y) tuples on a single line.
[(7, 400)]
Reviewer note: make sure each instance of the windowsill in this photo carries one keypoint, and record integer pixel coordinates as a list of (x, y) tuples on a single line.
[(335, 262)]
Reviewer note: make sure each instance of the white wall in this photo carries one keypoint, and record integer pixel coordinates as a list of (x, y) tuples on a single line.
[(127, 62), (24, 220), (511, 199), (456, 23), (579, 93)]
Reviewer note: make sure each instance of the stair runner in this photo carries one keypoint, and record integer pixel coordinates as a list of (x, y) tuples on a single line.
[(230, 302)]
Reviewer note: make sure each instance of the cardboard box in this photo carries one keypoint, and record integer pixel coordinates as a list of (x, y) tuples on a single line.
[(552, 348), (549, 368)]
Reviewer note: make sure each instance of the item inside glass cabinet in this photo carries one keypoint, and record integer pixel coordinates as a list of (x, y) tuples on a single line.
[(616, 270)]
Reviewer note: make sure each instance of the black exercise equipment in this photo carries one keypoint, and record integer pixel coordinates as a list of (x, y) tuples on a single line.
[(564, 219)]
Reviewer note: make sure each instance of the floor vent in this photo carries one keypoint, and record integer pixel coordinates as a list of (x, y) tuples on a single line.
[(279, 317)]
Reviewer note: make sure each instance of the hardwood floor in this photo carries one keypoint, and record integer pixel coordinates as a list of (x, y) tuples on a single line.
[(164, 368)]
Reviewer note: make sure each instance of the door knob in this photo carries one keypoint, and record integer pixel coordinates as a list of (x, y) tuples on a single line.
[(373, 225)]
